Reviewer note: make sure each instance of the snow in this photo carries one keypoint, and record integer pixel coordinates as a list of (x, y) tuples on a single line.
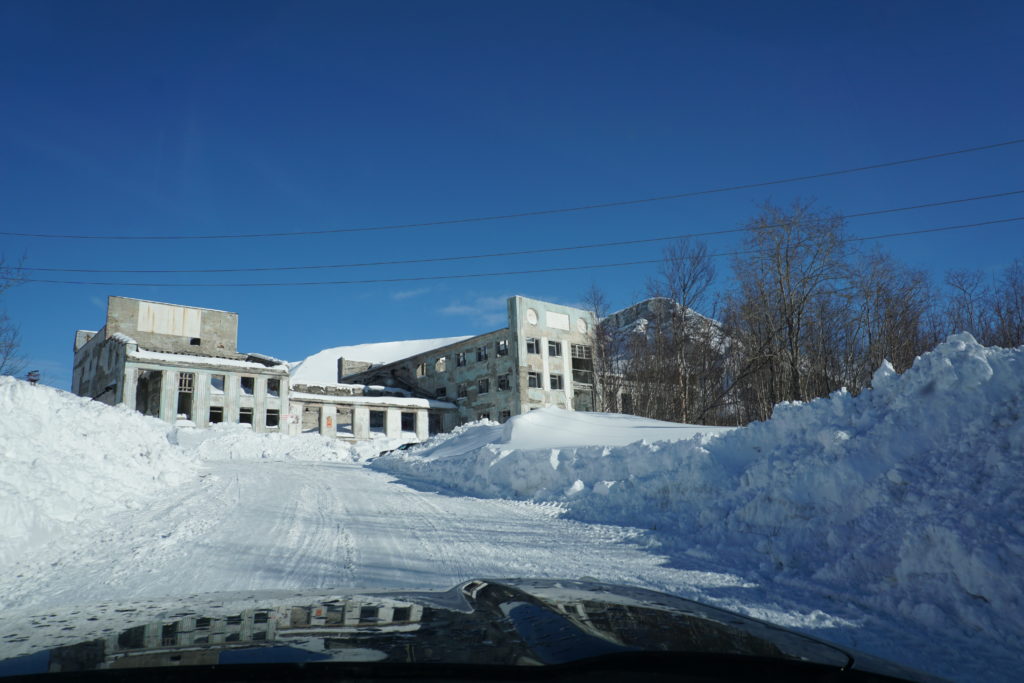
[(397, 401), (322, 368), (889, 522), (188, 359)]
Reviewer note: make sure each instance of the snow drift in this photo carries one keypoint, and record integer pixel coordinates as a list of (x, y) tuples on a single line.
[(906, 498)]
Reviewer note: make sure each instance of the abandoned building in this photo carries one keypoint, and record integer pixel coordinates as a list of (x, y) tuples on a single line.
[(179, 362), (543, 357)]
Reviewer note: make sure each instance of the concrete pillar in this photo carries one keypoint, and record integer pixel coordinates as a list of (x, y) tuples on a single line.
[(169, 396), (393, 422), (131, 384), (231, 389), (201, 400), (328, 414), (361, 422), (259, 404), (422, 424), (567, 373)]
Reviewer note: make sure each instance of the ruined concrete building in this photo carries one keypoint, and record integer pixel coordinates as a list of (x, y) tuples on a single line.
[(178, 362)]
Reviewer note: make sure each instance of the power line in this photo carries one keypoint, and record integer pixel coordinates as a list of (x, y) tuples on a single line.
[(525, 214), (482, 275), (522, 252)]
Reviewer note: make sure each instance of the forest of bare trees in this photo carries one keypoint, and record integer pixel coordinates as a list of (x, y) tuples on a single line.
[(805, 312)]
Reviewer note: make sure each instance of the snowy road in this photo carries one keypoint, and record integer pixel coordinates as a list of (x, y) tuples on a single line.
[(309, 525)]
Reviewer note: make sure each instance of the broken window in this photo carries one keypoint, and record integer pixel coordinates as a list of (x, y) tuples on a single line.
[(557, 382), (273, 387), (554, 348), (216, 414), (441, 392), (147, 392), (504, 415), (483, 416), (532, 345), (273, 418), (481, 353), (502, 347), (216, 384), (441, 364), (460, 358), (582, 364), (245, 416), (504, 382), (401, 614), (194, 341), (421, 370), (408, 422), (377, 420), (483, 385), (533, 380), (248, 385), (462, 393), (310, 419), (367, 614), (343, 421), (186, 384)]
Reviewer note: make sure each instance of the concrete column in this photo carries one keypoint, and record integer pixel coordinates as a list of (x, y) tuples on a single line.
[(545, 380), (393, 423), (361, 422), (169, 396), (259, 404), (131, 385), (567, 373), (422, 425), (231, 389), (328, 414), (201, 400)]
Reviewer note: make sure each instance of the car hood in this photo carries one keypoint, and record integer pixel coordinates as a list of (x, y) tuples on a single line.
[(480, 623)]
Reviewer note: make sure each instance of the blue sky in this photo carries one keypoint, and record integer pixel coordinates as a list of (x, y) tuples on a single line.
[(196, 118)]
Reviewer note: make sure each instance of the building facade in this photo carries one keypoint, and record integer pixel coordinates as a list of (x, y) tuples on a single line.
[(179, 363)]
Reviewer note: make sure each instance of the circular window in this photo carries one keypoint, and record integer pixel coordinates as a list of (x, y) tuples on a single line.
[(581, 325), (531, 316)]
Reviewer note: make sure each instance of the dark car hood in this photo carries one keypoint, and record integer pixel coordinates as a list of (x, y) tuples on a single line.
[(482, 623)]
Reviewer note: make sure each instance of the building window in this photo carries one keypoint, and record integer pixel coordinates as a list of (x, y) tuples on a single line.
[(245, 416), (581, 351), (408, 422), (504, 382), (483, 385), (186, 385), (532, 345), (401, 614), (367, 615), (554, 348), (377, 420), (216, 384), (504, 415), (273, 387), (248, 385), (441, 392), (460, 359), (502, 347), (421, 370), (216, 414), (441, 364), (533, 380), (462, 392), (194, 341), (582, 364), (273, 418), (556, 382), (627, 403), (483, 416), (481, 353)]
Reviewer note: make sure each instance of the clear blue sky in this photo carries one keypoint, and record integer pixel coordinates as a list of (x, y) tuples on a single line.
[(191, 118)]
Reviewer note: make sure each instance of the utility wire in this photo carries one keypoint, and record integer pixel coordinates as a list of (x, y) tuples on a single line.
[(482, 275), (524, 214), (523, 252)]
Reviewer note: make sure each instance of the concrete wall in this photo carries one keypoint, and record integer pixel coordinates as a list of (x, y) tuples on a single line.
[(173, 328), (98, 368)]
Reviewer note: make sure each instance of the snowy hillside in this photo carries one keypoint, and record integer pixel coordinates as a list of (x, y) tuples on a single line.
[(906, 499)]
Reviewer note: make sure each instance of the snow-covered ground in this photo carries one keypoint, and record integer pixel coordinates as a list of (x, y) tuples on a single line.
[(889, 522)]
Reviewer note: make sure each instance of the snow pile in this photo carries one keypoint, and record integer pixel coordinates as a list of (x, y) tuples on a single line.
[(906, 499), (239, 442), (322, 368), (65, 459)]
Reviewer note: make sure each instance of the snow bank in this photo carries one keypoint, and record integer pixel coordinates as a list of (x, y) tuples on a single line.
[(906, 499), (240, 442), (64, 458)]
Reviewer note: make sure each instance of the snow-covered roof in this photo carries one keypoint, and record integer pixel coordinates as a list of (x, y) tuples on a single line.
[(397, 401), (187, 359), (322, 367), (123, 338)]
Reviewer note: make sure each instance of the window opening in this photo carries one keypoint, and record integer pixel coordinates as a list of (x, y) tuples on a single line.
[(463, 393), (194, 341), (245, 416), (273, 418), (460, 359), (441, 392), (627, 403), (532, 345), (481, 353), (483, 385), (248, 385), (377, 420), (442, 364), (554, 348), (533, 380), (186, 385), (502, 347), (216, 384), (557, 382), (582, 364), (273, 387), (504, 415), (216, 414), (408, 422), (401, 614), (147, 392), (421, 370), (504, 382), (484, 416)]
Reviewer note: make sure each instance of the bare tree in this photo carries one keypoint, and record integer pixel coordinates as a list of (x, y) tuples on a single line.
[(1007, 306), (607, 352), (11, 360)]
